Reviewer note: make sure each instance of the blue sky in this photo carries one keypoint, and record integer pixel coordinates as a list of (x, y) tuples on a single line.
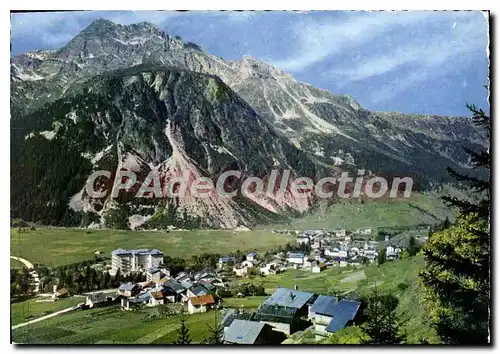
[(414, 62)]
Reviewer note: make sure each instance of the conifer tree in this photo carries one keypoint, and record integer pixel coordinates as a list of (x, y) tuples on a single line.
[(216, 332), (183, 331), (456, 278), (382, 325)]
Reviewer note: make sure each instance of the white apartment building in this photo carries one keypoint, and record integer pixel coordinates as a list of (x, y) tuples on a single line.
[(134, 260)]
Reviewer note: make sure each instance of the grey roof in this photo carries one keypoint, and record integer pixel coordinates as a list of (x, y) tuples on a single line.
[(324, 305), (275, 313), (186, 284), (174, 285), (289, 298), (243, 332), (127, 287), (206, 285), (153, 270), (344, 312), (144, 251)]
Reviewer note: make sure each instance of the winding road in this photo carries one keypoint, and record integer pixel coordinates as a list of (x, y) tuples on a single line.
[(33, 273)]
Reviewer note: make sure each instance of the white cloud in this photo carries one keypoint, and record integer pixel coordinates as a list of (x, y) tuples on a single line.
[(318, 41), (425, 52)]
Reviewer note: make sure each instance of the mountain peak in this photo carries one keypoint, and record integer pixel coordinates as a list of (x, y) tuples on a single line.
[(99, 25)]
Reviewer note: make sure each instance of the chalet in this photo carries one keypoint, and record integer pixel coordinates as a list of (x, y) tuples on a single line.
[(365, 231), (200, 304), (267, 269), (175, 288), (225, 260), (63, 292), (318, 268), (248, 264), (157, 298), (154, 274), (197, 290), (207, 285), (251, 332), (285, 309), (128, 289), (240, 270), (101, 298), (206, 273), (296, 258), (321, 312), (339, 232), (371, 254), (303, 240), (343, 314), (252, 256)]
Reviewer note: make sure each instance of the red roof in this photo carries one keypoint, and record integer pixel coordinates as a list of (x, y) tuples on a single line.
[(202, 300)]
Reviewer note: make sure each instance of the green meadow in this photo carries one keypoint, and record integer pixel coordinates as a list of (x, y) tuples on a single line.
[(59, 246)]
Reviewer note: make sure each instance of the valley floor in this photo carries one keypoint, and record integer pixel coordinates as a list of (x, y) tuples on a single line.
[(113, 326), (60, 246)]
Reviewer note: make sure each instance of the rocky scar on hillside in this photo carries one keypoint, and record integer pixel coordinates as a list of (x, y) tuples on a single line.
[(133, 97)]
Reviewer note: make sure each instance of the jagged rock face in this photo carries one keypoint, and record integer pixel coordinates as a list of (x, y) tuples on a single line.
[(169, 121), (262, 118)]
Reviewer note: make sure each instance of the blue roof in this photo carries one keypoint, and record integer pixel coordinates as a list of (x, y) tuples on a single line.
[(144, 251), (126, 286), (252, 254), (324, 305), (243, 332), (144, 297), (289, 298), (227, 259), (344, 312), (198, 290), (296, 255)]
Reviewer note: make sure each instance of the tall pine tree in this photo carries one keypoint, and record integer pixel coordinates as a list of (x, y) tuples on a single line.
[(183, 331), (216, 332), (382, 325), (456, 278), (480, 160)]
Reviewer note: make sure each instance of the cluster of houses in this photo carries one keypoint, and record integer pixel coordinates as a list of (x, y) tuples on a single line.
[(194, 290), (339, 248), (288, 311)]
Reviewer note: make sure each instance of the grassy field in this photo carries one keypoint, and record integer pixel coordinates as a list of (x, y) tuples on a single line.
[(398, 277), (20, 311), (57, 246), (112, 326), (348, 214), (244, 302)]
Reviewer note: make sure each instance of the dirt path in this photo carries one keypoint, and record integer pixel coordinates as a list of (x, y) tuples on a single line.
[(47, 316)]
